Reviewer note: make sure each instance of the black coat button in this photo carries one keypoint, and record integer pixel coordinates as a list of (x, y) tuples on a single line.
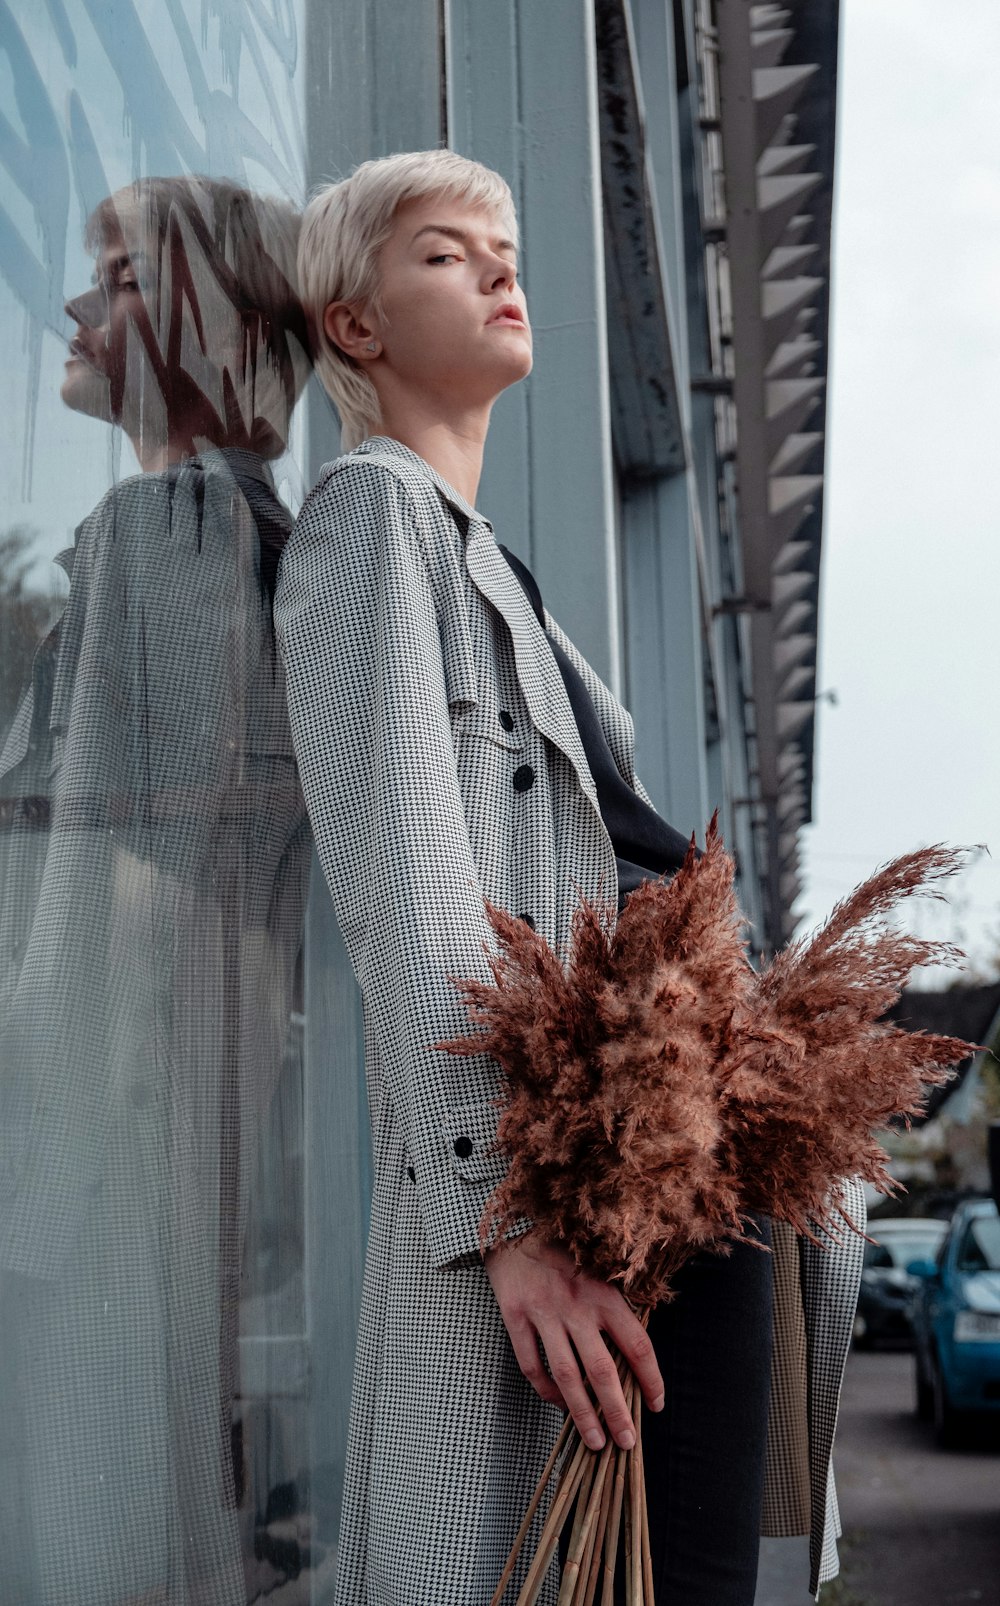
[(524, 777), (506, 719), (529, 920), (411, 1173), (463, 1147)]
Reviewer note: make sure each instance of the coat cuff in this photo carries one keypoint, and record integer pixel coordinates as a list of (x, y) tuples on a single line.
[(460, 1178)]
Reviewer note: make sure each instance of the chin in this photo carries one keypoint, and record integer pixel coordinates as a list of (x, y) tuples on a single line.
[(519, 370), (84, 391), (514, 365)]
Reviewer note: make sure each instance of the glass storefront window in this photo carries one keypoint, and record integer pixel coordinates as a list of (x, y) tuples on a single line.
[(182, 1168)]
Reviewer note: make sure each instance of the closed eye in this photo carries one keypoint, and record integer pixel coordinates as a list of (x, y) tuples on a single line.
[(445, 256)]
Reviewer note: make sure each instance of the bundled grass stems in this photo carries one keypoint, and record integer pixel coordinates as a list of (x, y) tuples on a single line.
[(658, 1090)]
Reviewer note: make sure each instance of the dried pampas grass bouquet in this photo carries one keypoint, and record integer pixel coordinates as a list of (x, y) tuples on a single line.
[(657, 1090)]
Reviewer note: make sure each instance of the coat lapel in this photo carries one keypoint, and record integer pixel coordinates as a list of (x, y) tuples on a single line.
[(537, 671)]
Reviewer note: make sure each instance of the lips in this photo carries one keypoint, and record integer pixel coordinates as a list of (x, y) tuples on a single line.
[(511, 313), (78, 352)]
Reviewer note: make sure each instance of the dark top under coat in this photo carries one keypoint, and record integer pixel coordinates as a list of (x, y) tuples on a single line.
[(645, 845)]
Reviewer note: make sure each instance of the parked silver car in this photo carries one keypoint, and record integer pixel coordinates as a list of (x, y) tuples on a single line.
[(887, 1289)]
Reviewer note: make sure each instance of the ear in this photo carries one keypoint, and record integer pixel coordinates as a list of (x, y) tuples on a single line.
[(345, 325)]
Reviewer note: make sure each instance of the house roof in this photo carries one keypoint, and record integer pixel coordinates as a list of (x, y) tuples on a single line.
[(968, 1012)]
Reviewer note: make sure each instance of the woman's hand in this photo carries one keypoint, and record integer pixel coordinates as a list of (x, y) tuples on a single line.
[(544, 1300)]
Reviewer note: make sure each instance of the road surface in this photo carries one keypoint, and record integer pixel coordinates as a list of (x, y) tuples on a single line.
[(921, 1524)]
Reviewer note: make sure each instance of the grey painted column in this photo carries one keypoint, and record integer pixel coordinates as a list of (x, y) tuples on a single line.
[(522, 98), (373, 81), (374, 86), (666, 677)]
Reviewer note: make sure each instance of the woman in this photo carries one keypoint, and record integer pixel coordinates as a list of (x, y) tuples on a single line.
[(454, 746), (146, 1000)]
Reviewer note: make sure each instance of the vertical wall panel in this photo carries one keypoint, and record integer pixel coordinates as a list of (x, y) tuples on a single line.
[(374, 81), (484, 122), (374, 76), (664, 651), (666, 688), (522, 96), (570, 460)]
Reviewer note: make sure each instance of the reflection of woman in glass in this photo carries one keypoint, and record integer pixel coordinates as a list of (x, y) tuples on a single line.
[(453, 744), (144, 1031)]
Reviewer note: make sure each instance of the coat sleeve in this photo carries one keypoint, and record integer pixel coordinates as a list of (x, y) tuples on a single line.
[(358, 627)]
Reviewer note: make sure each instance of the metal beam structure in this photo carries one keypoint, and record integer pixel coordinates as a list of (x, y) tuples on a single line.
[(646, 409), (768, 81)]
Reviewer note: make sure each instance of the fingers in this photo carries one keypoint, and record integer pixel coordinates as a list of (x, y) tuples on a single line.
[(542, 1297), (566, 1385), (625, 1328), (602, 1373), (528, 1356), (565, 1370)]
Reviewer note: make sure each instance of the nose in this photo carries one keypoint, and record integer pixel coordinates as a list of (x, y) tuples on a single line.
[(500, 274), (89, 309)]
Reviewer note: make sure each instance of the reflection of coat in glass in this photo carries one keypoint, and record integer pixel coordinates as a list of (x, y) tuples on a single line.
[(142, 1042)]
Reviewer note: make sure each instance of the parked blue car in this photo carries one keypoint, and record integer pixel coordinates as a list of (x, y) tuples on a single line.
[(956, 1322)]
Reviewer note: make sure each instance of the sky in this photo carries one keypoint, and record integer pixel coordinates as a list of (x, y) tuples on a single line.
[(909, 641)]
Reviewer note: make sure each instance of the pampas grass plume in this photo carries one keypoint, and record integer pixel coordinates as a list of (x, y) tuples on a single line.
[(657, 1090)]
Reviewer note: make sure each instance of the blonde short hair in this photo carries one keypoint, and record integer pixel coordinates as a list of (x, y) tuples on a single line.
[(344, 228), (240, 249)]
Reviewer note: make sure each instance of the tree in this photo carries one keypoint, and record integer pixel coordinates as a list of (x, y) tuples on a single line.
[(27, 613)]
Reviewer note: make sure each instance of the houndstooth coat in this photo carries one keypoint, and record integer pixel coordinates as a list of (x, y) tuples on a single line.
[(441, 763)]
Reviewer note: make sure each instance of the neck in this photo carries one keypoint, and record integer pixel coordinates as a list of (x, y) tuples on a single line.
[(451, 442), (154, 457)]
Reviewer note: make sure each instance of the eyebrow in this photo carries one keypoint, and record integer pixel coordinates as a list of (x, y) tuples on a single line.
[(118, 263), (460, 235)]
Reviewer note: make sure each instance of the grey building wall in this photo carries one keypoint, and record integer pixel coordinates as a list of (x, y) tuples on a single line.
[(603, 470)]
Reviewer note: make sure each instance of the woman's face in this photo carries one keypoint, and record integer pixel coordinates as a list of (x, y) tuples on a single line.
[(155, 340), (110, 319), (453, 316)]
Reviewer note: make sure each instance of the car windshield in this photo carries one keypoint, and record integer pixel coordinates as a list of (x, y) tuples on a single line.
[(980, 1246), (898, 1249)]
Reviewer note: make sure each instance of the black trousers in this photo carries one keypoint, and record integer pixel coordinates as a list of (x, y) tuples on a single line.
[(704, 1452)]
